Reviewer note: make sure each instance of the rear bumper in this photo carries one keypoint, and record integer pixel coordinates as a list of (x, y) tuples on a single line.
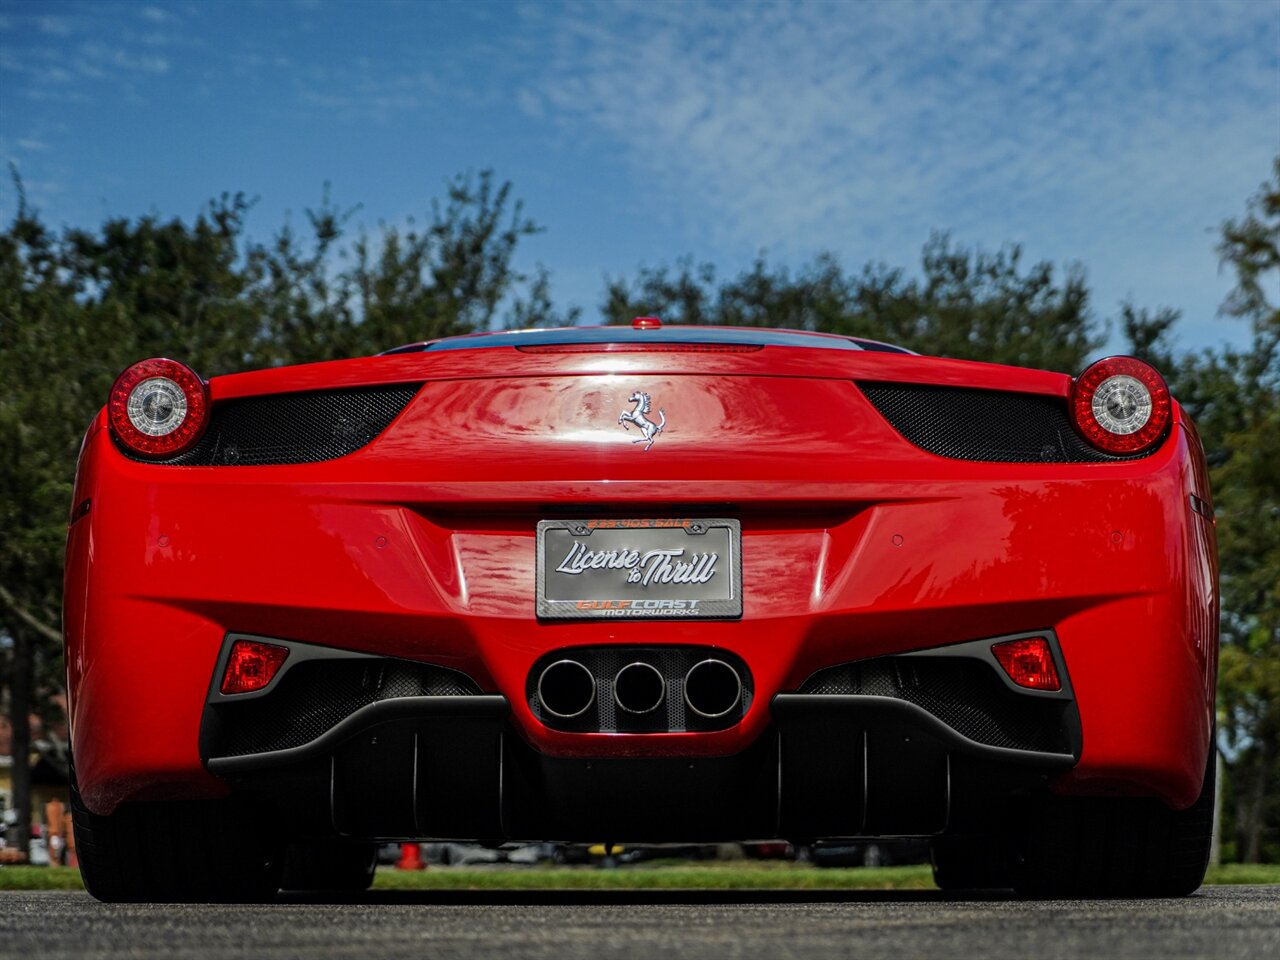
[(167, 561), (371, 747), (826, 767)]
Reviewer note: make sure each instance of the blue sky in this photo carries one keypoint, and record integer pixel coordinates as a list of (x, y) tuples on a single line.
[(1116, 135)]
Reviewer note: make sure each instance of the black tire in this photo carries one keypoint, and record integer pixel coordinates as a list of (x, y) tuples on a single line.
[(1105, 847), (971, 863), (335, 865), (196, 851)]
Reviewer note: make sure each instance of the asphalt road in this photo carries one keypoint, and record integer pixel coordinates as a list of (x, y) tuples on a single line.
[(1219, 922)]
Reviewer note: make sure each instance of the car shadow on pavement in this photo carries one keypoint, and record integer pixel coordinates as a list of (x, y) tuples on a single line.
[(634, 897)]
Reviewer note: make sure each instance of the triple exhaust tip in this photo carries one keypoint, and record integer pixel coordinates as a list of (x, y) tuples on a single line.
[(712, 688), (639, 688), (567, 689)]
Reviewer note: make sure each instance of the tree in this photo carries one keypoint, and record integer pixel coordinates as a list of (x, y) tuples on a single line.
[(1238, 396), (968, 304), (78, 307), (34, 482), (1149, 334)]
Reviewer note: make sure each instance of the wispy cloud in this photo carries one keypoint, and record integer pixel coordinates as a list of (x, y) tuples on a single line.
[(55, 26), (1115, 133), (790, 117), (42, 67), (98, 55), (53, 63), (362, 90), (859, 127)]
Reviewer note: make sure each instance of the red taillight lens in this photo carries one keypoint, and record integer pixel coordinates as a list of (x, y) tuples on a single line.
[(252, 665), (1121, 405), (158, 408), (1029, 663)]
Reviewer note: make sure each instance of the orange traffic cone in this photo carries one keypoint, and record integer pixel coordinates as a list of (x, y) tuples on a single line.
[(410, 857)]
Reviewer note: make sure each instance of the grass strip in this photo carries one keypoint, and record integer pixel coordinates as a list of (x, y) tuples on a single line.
[(13, 877), (1254, 873), (661, 875), (656, 875)]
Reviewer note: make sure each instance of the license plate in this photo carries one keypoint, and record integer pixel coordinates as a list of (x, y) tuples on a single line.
[(665, 568)]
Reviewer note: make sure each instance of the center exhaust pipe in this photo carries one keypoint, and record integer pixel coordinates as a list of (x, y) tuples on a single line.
[(639, 688), (712, 688), (566, 689)]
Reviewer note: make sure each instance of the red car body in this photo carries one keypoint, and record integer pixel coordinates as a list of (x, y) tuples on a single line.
[(856, 544)]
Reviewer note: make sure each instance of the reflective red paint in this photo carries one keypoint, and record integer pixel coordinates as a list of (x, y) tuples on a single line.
[(855, 544)]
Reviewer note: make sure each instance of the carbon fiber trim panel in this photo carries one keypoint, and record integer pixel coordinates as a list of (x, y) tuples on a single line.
[(293, 427), (317, 695), (966, 694), (989, 425)]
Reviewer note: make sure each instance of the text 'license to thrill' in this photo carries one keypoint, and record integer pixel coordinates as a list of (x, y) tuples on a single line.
[(669, 568)]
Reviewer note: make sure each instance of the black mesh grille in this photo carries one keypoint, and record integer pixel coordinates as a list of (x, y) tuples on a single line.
[(294, 427), (990, 425), (673, 715), (316, 695), (964, 694)]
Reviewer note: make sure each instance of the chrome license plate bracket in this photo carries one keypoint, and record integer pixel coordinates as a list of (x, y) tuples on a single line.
[(663, 568)]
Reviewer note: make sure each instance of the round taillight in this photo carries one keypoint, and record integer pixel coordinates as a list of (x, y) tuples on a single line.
[(158, 408), (1121, 405)]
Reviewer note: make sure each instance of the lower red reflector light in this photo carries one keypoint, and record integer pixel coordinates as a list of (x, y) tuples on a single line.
[(252, 665), (1029, 663)]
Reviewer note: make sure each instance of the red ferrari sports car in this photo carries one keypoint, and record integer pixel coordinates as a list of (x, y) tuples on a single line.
[(641, 585)]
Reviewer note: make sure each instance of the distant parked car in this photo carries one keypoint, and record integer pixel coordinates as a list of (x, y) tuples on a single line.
[(870, 853), (467, 854), (769, 850)]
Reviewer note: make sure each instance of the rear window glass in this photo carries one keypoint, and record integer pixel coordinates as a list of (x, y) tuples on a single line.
[(673, 335)]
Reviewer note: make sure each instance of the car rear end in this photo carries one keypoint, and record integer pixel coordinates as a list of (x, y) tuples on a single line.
[(647, 586)]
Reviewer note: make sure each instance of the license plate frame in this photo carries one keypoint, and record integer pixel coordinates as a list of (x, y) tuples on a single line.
[(660, 568)]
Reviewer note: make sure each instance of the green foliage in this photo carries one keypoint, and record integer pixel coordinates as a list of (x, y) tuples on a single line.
[(1149, 334), (1235, 398), (76, 308), (968, 304), (41, 417)]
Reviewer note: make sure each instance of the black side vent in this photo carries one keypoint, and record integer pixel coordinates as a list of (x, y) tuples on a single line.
[(964, 694), (316, 695), (991, 425), (294, 427)]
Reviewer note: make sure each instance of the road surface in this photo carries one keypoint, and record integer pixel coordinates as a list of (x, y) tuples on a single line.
[(1217, 922)]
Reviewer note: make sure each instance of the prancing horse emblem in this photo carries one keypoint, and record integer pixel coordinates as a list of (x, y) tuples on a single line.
[(637, 416)]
